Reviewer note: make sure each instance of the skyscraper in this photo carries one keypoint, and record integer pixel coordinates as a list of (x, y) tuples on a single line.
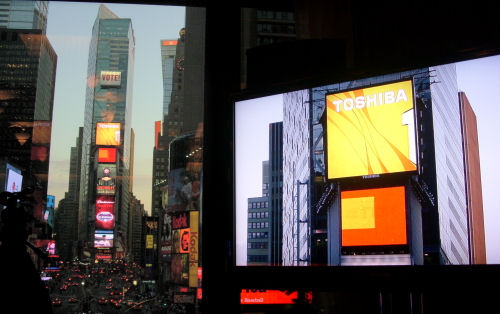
[(106, 153), (27, 80), (19, 14), (472, 169)]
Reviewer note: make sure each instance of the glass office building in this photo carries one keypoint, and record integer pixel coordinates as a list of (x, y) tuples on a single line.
[(108, 106), (20, 14)]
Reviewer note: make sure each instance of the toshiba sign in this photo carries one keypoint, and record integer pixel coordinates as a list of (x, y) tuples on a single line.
[(371, 131), (110, 79)]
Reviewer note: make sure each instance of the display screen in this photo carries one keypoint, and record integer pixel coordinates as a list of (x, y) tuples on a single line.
[(371, 131), (363, 172), (14, 180), (103, 240), (373, 217), (105, 212), (106, 179), (106, 155), (107, 134)]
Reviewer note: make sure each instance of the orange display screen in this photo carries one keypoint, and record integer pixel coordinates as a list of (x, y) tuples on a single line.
[(373, 217), (107, 134), (107, 155)]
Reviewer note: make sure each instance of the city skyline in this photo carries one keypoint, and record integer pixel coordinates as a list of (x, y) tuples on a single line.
[(71, 43)]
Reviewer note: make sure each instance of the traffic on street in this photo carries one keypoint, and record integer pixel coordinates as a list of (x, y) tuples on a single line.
[(103, 287)]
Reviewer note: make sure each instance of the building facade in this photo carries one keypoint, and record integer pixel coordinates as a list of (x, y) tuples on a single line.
[(107, 135), (473, 185), (18, 14), (27, 81), (259, 227)]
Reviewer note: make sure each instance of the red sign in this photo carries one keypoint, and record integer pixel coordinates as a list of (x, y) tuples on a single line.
[(180, 221), (106, 155), (104, 212), (169, 42), (262, 296)]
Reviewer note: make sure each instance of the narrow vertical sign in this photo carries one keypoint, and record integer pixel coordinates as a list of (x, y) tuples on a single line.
[(193, 249)]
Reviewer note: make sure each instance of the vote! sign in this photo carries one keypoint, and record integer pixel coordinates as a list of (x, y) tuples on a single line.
[(110, 79)]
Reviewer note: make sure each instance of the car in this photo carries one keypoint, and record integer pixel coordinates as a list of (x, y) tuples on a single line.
[(56, 302), (102, 300), (72, 300)]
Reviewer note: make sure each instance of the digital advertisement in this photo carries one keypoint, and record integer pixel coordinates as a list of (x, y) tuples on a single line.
[(107, 134), (105, 213), (371, 131), (373, 217), (14, 180), (106, 179), (103, 240), (106, 155)]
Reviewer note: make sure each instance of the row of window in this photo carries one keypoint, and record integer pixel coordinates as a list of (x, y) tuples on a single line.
[(257, 258), (257, 235), (258, 215), (276, 28), (257, 245), (278, 15), (258, 225), (258, 205)]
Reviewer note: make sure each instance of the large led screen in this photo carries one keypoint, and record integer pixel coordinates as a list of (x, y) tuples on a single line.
[(106, 179), (371, 131), (106, 155), (105, 212), (318, 161), (107, 134), (373, 217), (14, 180), (103, 240)]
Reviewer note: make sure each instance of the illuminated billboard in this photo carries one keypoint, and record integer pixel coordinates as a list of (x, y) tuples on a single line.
[(105, 212), (106, 179), (373, 217), (371, 131), (107, 134), (103, 240), (184, 241), (264, 296), (14, 180), (110, 79), (106, 155)]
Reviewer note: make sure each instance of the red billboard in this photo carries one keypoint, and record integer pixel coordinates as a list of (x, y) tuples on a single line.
[(106, 155), (373, 217), (263, 296), (105, 212)]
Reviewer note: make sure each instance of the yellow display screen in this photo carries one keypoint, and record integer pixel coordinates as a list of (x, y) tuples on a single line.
[(371, 131)]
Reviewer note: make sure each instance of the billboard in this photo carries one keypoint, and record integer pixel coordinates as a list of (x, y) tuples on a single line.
[(106, 179), (180, 269), (106, 155), (14, 180), (105, 212), (49, 212), (180, 221), (110, 79), (264, 296), (373, 217), (184, 240), (371, 131), (103, 240), (193, 248), (107, 134)]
